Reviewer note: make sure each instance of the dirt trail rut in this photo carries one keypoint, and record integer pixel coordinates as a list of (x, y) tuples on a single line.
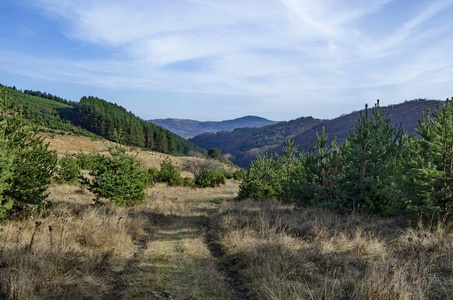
[(180, 258)]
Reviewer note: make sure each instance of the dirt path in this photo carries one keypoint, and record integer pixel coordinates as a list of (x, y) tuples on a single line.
[(179, 261)]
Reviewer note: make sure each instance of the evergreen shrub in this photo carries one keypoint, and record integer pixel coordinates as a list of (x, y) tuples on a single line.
[(119, 178)]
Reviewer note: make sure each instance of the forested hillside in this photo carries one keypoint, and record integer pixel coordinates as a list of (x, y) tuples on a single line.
[(93, 116), (191, 128), (115, 123), (245, 144)]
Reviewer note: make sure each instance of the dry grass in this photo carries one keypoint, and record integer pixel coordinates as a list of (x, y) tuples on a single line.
[(78, 251), (83, 252), (282, 253), (177, 260), (70, 252), (149, 159)]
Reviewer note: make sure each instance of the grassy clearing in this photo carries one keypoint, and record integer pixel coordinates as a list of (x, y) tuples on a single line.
[(282, 253), (68, 252), (177, 261), (77, 251)]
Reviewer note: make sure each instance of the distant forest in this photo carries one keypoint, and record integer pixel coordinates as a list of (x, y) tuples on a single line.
[(93, 116)]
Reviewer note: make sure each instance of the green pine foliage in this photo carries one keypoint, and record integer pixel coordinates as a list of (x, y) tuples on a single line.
[(32, 166), (429, 180), (68, 170), (49, 113), (370, 156), (315, 181), (6, 163), (257, 182), (46, 95), (169, 173), (210, 177), (86, 161), (115, 123), (272, 176), (95, 117), (378, 169), (118, 177), (151, 176)]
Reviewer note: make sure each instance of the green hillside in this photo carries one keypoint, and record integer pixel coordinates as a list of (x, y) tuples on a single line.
[(245, 144), (93, 116)]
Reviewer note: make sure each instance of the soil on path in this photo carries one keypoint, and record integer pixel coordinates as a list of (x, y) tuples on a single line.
[(179, 259)]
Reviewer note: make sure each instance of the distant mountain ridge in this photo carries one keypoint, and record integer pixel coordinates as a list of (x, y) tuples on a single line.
[(190, 128), (245, 144)]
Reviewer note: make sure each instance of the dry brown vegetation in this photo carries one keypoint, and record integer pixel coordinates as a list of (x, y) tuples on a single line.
[(73, 144), (161, 248), (70, 250), (283, 253), (77, 251), (201, 244)]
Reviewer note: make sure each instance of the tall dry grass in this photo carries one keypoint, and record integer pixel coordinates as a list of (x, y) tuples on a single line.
[(70, 252), (286, 253)]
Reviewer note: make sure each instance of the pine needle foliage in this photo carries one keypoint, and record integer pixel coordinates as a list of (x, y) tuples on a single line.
[(430, 178), (370, 155), (118, 177), (169, 173), (24, 154), (68, 170)]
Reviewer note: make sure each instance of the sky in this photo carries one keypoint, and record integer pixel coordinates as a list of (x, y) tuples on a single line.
[(217, 60)]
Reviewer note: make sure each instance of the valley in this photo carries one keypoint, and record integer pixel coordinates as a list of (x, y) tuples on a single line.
[(185, 243), (227, 241), (226, 150)]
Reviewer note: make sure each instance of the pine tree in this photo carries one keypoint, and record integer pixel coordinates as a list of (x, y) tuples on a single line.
[(321, 172), (6, 163), (370, 157), (118, 178), (430, 180), (33, 164), (68, 170)]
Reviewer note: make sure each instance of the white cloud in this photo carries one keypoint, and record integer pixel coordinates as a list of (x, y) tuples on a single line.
[(282, 51)]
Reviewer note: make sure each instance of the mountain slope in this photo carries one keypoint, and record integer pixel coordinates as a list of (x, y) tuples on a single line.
[(245, 144), (191, 128), (93, 116)]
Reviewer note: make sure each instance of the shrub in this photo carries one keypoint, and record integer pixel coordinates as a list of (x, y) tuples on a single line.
[(119, 178), (6, 163), (228, 175), (27, 164), (210, 178), (257, 182), (169, 173), (69, 170), (239, 174), (215, 153), (151, 176), (86, 161), (187, 181)]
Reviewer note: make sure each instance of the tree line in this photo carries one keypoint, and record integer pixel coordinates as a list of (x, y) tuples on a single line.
[(27, 167), (114, 122), (378, 169), (93, 116)]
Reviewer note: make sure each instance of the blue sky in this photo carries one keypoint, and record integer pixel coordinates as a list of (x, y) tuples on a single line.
[(216, 60)]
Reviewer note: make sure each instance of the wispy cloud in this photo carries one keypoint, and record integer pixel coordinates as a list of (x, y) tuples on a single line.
[(287, 51)]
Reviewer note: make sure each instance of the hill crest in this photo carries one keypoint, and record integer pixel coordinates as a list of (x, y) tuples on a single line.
[(245, 144), (189, 128)]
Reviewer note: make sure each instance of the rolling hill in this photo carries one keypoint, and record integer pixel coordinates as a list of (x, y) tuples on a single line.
[(191, 128), (92, 116), (245, 144)]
